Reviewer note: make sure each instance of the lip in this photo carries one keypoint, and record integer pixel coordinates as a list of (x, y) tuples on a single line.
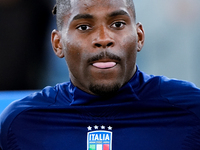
[(104, 60), (104, 65)]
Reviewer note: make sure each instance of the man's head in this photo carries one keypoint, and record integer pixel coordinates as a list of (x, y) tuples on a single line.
[(99, 40)]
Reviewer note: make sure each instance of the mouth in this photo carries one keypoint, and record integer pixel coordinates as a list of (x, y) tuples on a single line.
[(104, 65), (104, 60)]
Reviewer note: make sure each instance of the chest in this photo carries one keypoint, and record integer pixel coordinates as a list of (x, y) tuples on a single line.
[(134, 127)]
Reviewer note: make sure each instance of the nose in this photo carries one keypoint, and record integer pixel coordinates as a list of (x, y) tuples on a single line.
[(103, 39)]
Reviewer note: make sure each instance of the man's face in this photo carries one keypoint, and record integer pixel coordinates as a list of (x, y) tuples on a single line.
[(99, 40)]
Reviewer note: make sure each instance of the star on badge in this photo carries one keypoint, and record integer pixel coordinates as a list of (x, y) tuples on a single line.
[(109, 128), (102, 127), (96, 127), (89, 128)]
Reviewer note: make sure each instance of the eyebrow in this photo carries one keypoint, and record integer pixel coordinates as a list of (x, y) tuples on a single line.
[(83, 16), (118, 13), (89, 16)]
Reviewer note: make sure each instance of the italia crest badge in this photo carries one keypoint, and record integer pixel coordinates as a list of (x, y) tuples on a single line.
[(99, 138)]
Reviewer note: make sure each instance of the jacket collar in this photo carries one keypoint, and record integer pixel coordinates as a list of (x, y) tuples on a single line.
[(125, 94)]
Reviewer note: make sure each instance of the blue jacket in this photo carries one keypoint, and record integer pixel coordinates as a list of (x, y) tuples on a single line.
[(148, 113)]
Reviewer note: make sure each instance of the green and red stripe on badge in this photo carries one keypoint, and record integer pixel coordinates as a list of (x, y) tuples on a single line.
[(99, 147)]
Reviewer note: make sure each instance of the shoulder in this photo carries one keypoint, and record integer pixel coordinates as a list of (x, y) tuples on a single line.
[(177, 88), (39, 100), (44, 98), (169, 87), (151, 86), (181, 94)]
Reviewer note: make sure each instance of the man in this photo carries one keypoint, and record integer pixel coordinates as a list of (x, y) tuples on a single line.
[(108, 104)]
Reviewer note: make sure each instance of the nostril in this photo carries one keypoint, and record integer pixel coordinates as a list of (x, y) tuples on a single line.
[(109, 44), (103, 44), (98, 45)]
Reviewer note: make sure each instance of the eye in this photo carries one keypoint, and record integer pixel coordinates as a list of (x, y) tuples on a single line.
[(118, 25), (83, 27)]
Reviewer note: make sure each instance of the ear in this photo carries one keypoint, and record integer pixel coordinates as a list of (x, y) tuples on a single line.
[(141, 36), (56, 43)]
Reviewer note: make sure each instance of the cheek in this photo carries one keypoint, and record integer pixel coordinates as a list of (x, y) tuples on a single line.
[(76, 58), (73, 49), (73, 55), (130, 46)]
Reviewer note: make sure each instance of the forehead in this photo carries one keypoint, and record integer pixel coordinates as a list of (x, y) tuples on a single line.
[(83, 6), (90, 3)]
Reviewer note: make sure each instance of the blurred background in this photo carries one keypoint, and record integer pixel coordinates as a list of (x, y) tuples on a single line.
[(172, 46)]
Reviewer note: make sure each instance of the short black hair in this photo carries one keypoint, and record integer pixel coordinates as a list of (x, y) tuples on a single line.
[(63, 6), (60, 9)]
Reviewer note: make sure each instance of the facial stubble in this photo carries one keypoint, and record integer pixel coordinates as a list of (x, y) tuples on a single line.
[(104, 90)]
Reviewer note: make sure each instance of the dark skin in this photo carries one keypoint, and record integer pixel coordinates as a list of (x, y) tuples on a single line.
[(99, 40)]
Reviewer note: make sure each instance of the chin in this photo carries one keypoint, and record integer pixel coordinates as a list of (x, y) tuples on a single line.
[(105, 89)]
